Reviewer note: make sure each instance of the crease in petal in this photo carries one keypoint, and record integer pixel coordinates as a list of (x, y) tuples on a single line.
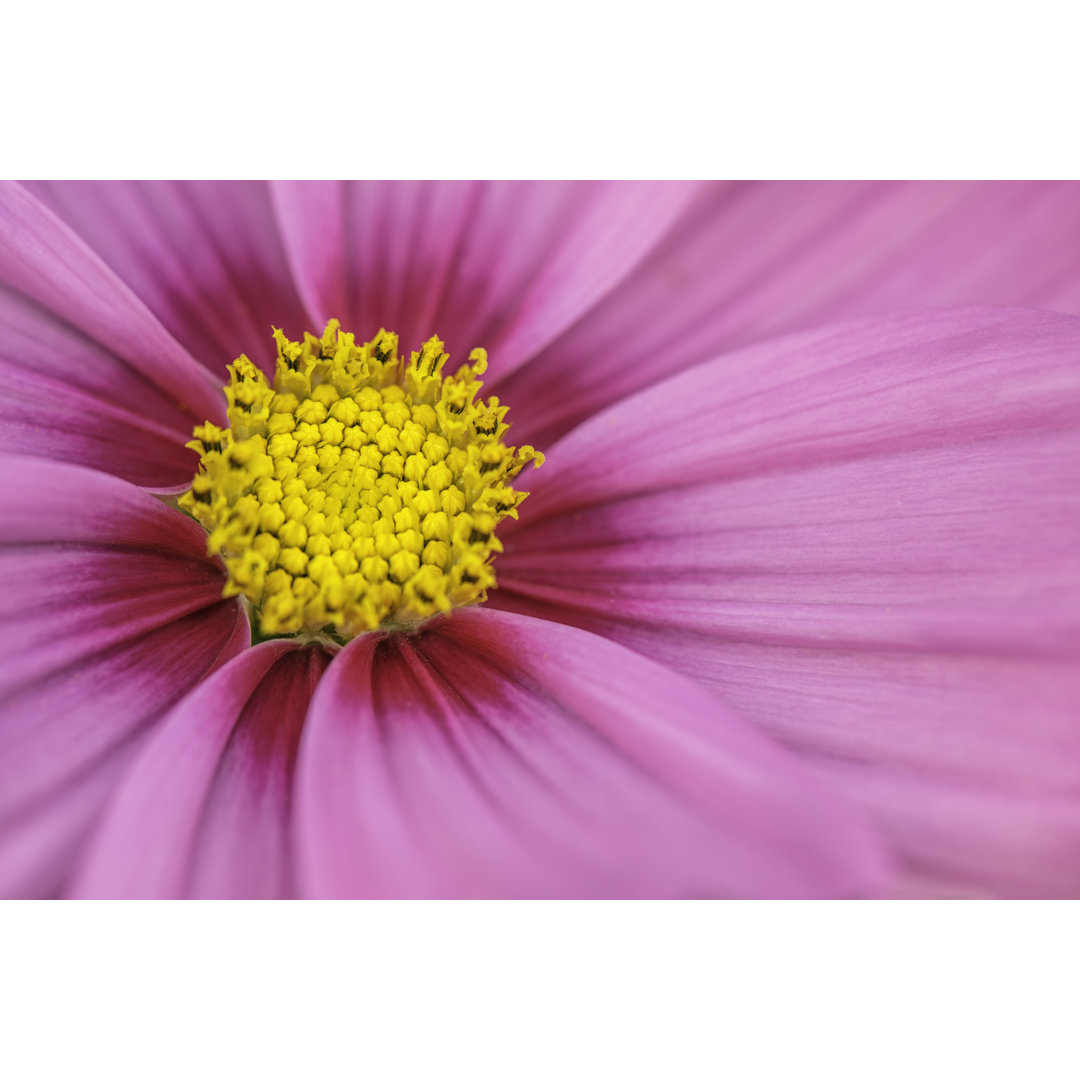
[(493, 755), (204, 256), (508, 266), (205, 809)]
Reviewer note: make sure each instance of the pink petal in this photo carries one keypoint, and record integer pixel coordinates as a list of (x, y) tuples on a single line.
[(865, 539), (91, 375), (493, 755), (506, 266), (204, 256), (109, 613), (205, 809), (754, 260), (51, 416)]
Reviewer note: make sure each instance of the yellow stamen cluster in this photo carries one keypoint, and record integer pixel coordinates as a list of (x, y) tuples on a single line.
[(360, 490)]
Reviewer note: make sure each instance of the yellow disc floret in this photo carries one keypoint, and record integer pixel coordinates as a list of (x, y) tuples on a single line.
[(360, 490)]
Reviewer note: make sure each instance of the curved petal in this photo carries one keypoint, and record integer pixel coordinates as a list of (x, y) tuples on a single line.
[(506, 266), (49, 417), (204, 256), (865, 539), (750, 261), (205, 810), (109, 613), (493, 755), (91, 375)]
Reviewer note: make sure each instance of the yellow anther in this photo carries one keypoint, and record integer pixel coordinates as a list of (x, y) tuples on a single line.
[(359, 490)]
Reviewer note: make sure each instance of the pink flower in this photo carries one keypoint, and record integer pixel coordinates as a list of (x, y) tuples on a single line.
[(793, 608)]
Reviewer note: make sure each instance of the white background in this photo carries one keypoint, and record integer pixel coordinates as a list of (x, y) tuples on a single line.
[(537, 991), (760, 88)]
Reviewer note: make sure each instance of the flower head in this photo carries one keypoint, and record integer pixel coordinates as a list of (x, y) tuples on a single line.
[(791, 610), (358, 491)]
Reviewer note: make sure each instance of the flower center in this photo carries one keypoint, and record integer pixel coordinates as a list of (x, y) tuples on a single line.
[(360, 490)]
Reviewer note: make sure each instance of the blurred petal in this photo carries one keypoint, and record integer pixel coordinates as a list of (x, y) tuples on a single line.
[(109, 613), (507, 266), (204, 256), (865, 539), (91, 376), (205, 809), (755, 260), (493, 755)]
